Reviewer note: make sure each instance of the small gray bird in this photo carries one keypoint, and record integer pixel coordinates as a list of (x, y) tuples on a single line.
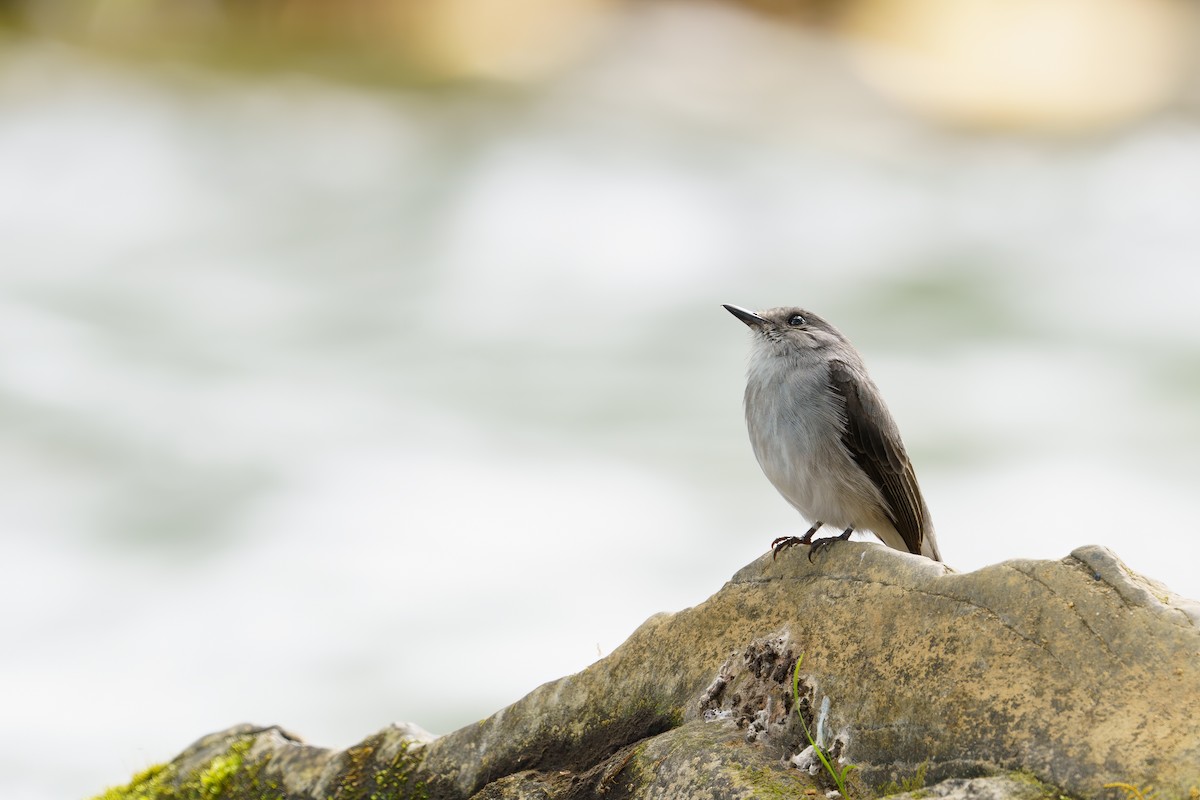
[(823, 436)]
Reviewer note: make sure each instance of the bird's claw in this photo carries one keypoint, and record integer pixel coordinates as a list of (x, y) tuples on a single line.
[(821, 544), (783, 543)]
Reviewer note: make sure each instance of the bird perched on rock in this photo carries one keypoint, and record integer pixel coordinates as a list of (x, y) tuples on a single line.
[(825, 439)]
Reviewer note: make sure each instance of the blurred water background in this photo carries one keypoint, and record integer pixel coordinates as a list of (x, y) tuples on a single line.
[(365, 361)]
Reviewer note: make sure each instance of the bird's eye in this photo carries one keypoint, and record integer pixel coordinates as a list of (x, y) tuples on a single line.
[(796, 320)]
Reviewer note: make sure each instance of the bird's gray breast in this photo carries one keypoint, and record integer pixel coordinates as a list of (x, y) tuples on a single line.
[(795, 422)]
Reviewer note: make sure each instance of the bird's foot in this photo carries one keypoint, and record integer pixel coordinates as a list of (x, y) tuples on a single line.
[(821, 544), (783, 543)]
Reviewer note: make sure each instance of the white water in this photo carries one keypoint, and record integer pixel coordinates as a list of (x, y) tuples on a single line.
[(329, 407)]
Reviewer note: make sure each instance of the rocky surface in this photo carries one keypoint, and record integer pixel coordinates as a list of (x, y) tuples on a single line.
[(1051, 677)]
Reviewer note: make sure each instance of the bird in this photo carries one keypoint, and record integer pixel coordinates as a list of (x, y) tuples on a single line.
[(824, 437)]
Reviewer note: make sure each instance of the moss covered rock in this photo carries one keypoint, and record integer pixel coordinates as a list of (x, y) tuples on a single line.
[(1064, 676)]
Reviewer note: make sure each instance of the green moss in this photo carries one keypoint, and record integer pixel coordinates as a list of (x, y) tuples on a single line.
[(226, 775), (913, 783), (771, 784), (366, 778), (149, 784), (230, 775), (351, 783), (398, 779), (212, 781), (1049, 791)]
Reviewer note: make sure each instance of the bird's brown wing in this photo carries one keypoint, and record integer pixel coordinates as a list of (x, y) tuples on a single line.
[(874, 443)]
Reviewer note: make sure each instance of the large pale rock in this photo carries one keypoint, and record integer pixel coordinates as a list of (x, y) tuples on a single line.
[(1076, 672)]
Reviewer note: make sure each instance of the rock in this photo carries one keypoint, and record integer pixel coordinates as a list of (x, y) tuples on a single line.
[(1075, 673), (998, 787)]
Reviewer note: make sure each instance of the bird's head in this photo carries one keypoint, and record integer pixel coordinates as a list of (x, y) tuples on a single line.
[(789, 329)]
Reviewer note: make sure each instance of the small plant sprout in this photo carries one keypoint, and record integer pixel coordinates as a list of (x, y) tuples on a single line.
[(839, 778)]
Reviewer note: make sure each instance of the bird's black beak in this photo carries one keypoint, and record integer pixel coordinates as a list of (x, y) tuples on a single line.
[(748, 317)]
